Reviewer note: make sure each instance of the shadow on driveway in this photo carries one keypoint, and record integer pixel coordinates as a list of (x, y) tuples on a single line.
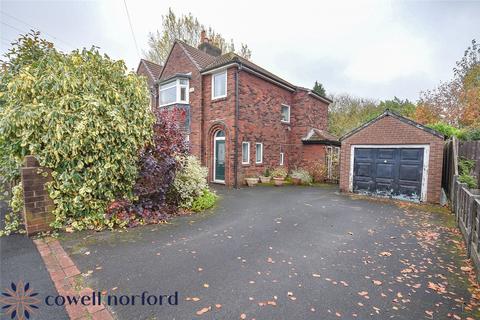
[(284, 253)]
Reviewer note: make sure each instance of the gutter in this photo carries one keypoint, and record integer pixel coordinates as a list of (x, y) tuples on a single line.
[(237, 110), (319, 97), (250, 70)]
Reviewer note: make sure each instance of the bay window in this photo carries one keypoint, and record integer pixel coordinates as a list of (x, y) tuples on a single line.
[(175, 91)]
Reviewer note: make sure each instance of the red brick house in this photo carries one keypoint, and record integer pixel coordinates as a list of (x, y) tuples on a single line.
[(241, 119)]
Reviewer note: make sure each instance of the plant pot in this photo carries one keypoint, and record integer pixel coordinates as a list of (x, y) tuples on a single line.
[(265, 179), (251, 182), (297, 181), (278, 181)]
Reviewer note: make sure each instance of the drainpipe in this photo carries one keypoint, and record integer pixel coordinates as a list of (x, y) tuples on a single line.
[(237, 107)]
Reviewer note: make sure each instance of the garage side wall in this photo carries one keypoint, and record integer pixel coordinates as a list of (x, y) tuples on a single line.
[(392, 131)]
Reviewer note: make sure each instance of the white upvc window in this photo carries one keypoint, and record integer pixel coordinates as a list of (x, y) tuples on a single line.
[(176, 91), (258, 152), (282, 158), (219, 85), (245, 152), (285, 113)]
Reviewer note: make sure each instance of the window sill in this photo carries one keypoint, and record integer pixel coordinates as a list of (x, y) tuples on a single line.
[(246, 164), (224, 98), (285, 122), (173, 103)]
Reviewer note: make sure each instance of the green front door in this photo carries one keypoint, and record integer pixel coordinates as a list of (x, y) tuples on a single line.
[(220, 159)]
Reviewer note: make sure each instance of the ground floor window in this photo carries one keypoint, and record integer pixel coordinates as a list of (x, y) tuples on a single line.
[(282, 158), (258, 152), (245, 152)]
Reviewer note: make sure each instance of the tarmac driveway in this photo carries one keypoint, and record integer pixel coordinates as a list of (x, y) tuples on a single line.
[(286, 253)]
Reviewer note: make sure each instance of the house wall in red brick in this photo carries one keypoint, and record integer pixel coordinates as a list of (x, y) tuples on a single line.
[(142, 70), (313, 154), (178, 62), (220, 115), (389, 130)]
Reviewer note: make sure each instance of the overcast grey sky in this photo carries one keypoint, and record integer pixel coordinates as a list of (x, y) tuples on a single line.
[(376, 49)]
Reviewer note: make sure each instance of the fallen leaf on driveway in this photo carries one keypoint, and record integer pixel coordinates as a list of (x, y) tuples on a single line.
[(316, 275), (203, 310), (430, 313), (377, 282), (385, 254), (466, 269), (206, 285), (243, 316), (363, 293), (218, 306)]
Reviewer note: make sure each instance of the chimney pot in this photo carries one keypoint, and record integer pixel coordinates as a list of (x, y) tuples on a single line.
[(203, 36)]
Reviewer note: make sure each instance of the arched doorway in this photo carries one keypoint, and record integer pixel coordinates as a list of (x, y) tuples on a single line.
[(219, 157)]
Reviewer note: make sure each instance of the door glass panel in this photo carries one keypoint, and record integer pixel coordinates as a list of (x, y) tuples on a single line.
[(221, 153)]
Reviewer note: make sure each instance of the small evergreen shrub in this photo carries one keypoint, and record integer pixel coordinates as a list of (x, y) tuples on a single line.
[(189, 183), (465, 167), (279, 172), (303, 175), (204, 201)]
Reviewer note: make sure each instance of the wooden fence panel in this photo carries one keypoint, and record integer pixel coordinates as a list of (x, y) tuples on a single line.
[(471, 150), (450, 166), (466, 206)]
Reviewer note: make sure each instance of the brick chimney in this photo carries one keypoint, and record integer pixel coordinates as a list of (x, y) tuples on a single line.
[(207, 47)]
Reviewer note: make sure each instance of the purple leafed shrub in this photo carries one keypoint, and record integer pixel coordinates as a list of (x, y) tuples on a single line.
[(157, 167)]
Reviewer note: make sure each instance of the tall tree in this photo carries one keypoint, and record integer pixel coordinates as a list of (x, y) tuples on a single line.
[(457, 102), (188, 29), (318, 88)]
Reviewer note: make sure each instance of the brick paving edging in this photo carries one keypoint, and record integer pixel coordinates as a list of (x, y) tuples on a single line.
[(63, 271)]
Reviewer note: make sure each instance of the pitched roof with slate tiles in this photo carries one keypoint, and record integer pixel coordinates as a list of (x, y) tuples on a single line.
[(320, 136), (390, 113), (198, 57), (154, 69), (205, 62)]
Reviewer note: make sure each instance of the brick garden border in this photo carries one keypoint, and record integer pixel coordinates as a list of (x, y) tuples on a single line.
[(63, 272)]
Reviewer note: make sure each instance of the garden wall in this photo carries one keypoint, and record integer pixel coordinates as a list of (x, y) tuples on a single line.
[(38, 206)]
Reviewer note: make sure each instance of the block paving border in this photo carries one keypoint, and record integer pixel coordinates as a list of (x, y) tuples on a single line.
[(63, 271)]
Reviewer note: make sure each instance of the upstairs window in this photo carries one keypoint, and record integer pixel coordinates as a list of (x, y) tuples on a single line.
[(285, 113), (219, 85), (175, 91)]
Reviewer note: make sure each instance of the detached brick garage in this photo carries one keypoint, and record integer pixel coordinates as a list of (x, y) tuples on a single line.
[(393, 156)]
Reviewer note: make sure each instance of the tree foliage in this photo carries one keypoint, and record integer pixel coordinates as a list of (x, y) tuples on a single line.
[(318, 88), (82, 115), (348, 112), (456, 102), (188, 29)]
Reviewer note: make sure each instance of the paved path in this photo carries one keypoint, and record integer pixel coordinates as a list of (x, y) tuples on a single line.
[(285, 253)]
